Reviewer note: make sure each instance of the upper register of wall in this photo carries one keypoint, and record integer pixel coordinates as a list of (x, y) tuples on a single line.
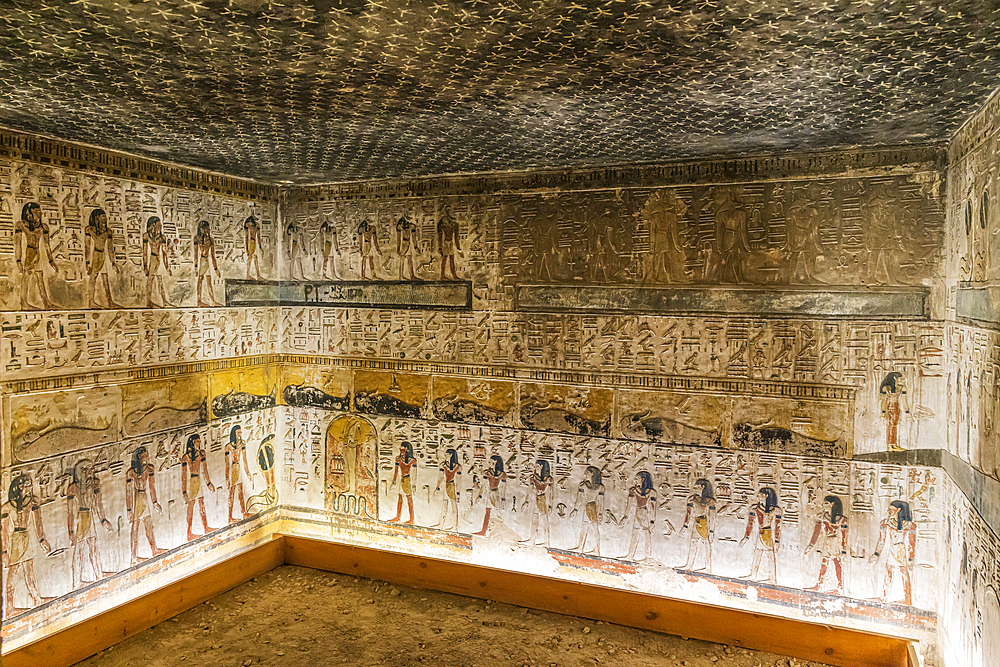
[(673, 338)]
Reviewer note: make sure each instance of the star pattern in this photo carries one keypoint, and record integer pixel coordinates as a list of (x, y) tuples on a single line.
[(343, 90)]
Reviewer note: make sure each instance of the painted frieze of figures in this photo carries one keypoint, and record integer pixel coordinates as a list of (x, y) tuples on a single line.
[(73, 519), (75, 240)]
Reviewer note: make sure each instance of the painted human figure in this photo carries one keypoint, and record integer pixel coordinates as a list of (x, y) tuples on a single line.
[(331, 247), (84, 502), (702, 512), (296, 248), (892, 394), (898, 536), (155, 251), (193, 466), (541, 484), (140, 483), (829, 538), (451, 475), (803, 243), (448, 242), (236, 451), (204, 253), (21, 506), (28, 255), (590, 493), (265, 460), (643, 496), (405, 463), (251, 236), (100, 251), (766, 514), (405, 245), (496, 479), (368, 246)]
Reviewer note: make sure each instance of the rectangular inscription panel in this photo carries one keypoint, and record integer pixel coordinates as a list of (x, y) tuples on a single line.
[(884, 302), (389, 294), (981, 304)]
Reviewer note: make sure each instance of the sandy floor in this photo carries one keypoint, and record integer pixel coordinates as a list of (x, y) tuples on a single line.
[(296, 617)]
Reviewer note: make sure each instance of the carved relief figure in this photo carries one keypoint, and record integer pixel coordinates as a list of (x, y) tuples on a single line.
[(83, 503), (829, 538), (251, 236), (100, 249), (236, 451), (590, 494), (27, 255), (204, 252), (448, 242), (701, 509), (898, 536), (139, 481), (643, 497), (881, 238), (766, 514), (193, 466), (451, 475), (732, 245), (892, 394), (541, 484), (496, 479), (155, 250), (665, 212), (406, 246), (296, 248), (803, 238), (368, 246), (404, 465), (331, 248), (21, 506)]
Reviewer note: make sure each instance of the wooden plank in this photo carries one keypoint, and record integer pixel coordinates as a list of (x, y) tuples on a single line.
[(809, 641), (80, 641)]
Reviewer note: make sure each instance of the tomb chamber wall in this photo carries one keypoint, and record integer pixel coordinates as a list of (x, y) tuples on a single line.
[(716, 381), (970, 613), (120, 396)]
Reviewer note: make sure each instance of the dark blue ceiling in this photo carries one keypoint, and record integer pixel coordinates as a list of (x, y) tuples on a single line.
[(361, 89)]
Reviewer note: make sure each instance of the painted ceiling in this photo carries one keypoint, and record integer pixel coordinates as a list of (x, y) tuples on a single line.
[(340, 90)]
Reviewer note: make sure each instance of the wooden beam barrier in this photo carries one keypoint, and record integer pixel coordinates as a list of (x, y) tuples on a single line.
[(80, 641), (799, 639)]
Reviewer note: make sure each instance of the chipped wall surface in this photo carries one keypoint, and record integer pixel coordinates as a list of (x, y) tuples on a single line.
[(120, 400)]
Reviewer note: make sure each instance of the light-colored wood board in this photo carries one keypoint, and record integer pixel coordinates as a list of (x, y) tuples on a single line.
[(84, 639), (836, 646)]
